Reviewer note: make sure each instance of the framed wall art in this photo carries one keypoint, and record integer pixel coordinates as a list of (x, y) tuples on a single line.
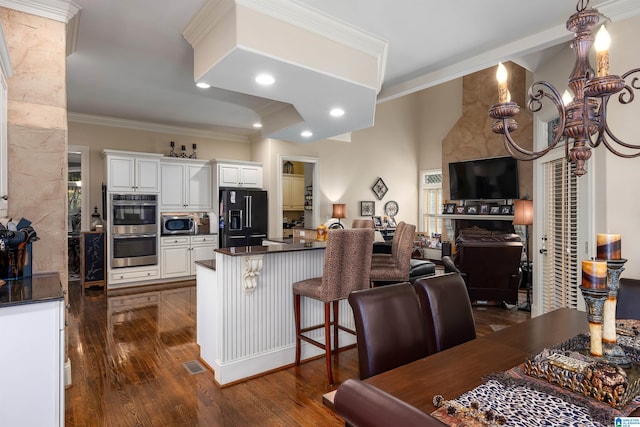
[(367, 208), (379, 189)]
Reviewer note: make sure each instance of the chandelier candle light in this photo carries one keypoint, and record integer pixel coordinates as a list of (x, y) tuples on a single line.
[(583, 118)]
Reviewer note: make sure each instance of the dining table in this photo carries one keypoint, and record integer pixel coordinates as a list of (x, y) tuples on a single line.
[(457, 370)]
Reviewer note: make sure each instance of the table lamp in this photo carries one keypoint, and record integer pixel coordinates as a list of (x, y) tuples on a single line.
[(339, 211), (523, 215)]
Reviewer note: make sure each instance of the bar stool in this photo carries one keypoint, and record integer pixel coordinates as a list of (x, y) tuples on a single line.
[(395, 267), (347, 263)]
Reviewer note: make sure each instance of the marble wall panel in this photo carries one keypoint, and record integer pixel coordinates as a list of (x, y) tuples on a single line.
[(37, 134)]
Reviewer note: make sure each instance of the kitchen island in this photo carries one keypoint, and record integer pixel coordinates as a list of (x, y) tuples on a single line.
[(32, 355), (245, 308)]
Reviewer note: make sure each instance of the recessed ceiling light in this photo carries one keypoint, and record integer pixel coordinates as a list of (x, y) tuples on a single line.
[(336, 112), (306, 133), (203, 85), (265, 79), (257, 125)]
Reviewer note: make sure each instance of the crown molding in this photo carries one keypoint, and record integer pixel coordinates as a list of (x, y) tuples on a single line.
[(58, 10), (618, 10), (73, 26), (153, 127)]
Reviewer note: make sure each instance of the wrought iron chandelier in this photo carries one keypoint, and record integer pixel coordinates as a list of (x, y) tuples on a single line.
[(582, 120)]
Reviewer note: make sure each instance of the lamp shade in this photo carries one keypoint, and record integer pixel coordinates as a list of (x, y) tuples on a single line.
[(523, 212), (339, 211)]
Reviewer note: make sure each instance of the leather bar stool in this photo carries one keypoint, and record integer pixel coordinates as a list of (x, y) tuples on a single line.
[(347, 263)]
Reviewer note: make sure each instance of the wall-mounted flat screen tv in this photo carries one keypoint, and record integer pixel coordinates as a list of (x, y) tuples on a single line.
[(483, 179)]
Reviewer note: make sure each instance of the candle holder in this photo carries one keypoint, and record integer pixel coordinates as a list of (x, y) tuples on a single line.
[(594, 299), (613, 352)]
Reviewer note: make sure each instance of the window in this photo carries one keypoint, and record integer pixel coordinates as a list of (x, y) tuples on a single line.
[(431, 201)]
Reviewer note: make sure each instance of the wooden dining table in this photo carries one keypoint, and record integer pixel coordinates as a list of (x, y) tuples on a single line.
[(459, 369)]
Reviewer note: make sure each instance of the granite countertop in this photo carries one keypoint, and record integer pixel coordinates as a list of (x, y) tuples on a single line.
[(271, 249), (29, 290), (209, 263)]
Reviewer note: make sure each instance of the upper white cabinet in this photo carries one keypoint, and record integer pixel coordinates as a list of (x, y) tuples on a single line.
[(292, 192), (185, 184), (239, 174), (132, 172)]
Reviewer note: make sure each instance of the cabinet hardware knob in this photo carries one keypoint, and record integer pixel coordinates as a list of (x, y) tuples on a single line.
[(5, 197)]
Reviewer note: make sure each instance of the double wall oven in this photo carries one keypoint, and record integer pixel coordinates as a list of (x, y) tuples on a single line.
[(134, 230)]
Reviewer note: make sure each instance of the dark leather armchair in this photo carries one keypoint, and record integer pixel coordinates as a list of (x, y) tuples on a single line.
[(489, 265), (363, 405)]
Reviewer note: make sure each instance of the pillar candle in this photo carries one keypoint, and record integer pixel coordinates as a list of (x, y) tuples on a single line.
[(609, 320), (594, 274), (595, 331), (609, 246)]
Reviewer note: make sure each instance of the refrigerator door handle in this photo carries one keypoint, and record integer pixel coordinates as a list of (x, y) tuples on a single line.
[(247, 208)]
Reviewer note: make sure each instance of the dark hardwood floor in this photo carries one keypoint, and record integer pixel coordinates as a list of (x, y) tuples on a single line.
[(127, 351)]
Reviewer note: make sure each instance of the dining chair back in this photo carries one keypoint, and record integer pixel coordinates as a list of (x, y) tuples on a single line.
[(363, 223), (390, 330), (394, 268), (628, 304), (347, 263), (363, 405), (447, 311)]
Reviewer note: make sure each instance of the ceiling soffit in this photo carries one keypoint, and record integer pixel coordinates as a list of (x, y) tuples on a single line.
[(318, 62)]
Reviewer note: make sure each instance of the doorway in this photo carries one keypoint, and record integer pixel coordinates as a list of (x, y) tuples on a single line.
[(303, 178), (78, 205)]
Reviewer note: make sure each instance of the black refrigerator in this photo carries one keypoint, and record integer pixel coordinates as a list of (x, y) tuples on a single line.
[(243, 217)]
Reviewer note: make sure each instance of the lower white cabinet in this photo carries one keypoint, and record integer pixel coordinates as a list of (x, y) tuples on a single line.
[(178, 254), (32, 359)]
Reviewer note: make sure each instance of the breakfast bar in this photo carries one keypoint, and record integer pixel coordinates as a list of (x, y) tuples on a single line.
[(245, 321)]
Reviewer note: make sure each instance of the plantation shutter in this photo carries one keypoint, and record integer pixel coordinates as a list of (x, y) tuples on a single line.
[(560, 240)]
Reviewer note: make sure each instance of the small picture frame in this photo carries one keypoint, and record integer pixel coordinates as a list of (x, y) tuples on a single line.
[(460, 210), (448, 208), (484, 210), (377, 221), (506, 210), (494, 210), (472, 210), (391, 222), (367, 208)]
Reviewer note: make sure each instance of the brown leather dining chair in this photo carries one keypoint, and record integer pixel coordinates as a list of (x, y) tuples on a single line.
[(446, 309), (628, 305), (362, 405), (347, 262), (395, 267), (389, 328)]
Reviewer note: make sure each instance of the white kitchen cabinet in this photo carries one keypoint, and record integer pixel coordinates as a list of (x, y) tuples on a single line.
[(185, 185), (178, 254), (292, 192), (239, 175), (32, 356), (202, 247), (132, 172)]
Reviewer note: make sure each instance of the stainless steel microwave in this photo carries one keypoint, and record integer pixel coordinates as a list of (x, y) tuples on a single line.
[(177, 224)]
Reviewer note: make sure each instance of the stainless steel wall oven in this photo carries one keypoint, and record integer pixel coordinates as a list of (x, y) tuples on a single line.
[(134, 230)]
